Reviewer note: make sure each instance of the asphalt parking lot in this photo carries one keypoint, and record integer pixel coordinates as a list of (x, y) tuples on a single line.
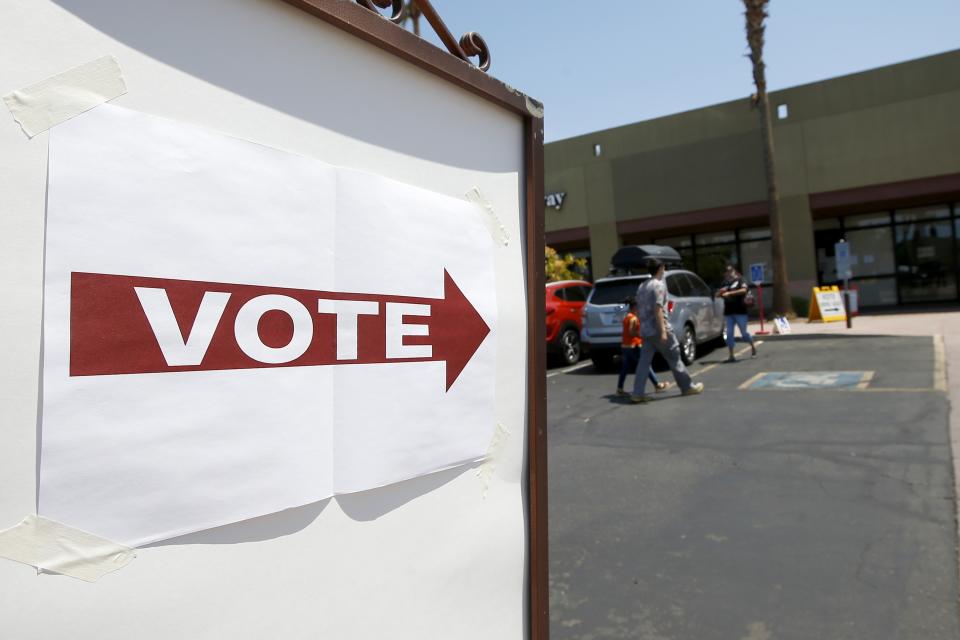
[(813, 503)]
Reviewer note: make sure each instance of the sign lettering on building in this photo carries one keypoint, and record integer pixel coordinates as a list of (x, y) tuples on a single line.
[(555, 199)]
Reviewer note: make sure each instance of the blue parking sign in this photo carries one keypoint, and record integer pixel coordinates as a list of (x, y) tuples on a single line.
[(756, 272)]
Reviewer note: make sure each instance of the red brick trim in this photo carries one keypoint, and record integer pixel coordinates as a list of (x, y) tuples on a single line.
[(567, 235), (700, 217), (890, 194)]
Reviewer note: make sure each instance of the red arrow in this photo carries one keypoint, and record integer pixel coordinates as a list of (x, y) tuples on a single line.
[(129, 324), (458, 330)]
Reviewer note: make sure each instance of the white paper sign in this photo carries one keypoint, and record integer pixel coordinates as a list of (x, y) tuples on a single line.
[(831, 304), (231, 330)]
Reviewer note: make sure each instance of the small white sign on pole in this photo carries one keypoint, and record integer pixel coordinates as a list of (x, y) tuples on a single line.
[(842, 253)]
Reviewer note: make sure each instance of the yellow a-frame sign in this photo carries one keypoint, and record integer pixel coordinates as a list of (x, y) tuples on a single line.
[(826, 305)]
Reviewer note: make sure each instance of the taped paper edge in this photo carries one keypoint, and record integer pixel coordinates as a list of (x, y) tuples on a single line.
[(55, 547), (47, 103), (497, 443), (496, 228)]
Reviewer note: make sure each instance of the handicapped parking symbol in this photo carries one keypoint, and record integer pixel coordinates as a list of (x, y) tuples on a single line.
[(809, 380)]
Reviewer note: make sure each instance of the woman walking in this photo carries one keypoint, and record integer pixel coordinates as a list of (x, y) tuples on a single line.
[(734, 294), (630, 349)]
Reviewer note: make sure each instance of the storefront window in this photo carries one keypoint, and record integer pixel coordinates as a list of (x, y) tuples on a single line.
[(867, 220), (676, 242), (922, 213), (875, 292), (760, 233), (712, 262), (754, 252), (901, 256), (825, 240), (926, 265), (684, 246), (871, 252), (715, 238)]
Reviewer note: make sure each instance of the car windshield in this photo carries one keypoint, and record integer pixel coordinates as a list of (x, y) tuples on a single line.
[(614, 291)]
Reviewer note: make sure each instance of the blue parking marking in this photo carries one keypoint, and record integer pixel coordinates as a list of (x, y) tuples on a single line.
[(809, 380)]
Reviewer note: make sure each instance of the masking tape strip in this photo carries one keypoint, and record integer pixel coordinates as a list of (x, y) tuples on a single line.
[(496, 228), (497, 443), (52, 546), (66, 95)]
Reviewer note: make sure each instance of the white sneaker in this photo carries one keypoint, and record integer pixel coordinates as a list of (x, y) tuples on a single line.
[(695, 389)]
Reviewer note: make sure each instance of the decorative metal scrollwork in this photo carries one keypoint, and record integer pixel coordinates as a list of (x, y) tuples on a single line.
[(474, 45), (396, 8), (470, 45)]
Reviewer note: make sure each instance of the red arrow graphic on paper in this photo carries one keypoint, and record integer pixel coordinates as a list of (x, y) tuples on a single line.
[(129, 324)]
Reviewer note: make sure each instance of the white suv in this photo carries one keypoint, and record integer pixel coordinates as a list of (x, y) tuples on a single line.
[(693, 311)]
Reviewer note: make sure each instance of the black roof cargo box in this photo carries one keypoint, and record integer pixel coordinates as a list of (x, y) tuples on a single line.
[(633, 258)]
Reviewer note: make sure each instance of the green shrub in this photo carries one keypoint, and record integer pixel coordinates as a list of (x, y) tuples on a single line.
[(800, 306)]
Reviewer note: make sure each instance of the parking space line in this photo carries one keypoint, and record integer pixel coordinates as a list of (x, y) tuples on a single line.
[(569, 369), (890, 389), (865, 381), (751, 380), (707, 368), (939, 364)]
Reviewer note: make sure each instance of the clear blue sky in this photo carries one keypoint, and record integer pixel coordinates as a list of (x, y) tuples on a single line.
[(597, 64)]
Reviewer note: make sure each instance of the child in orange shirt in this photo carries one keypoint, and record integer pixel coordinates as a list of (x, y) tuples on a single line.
[(630, 349)]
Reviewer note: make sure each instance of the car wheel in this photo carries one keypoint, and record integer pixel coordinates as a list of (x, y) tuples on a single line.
[(720, 340), (688, 345), (570, 346)]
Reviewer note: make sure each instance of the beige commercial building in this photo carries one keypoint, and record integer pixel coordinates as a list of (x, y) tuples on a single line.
[(872, 157)]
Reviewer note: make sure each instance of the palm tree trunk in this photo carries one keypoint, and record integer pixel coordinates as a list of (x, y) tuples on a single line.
[(756, 14), (781, 283)]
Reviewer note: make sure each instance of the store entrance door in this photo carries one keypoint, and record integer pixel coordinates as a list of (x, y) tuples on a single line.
[(826, 262)]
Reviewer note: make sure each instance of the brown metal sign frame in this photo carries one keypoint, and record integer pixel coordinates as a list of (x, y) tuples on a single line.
[(379, 31)]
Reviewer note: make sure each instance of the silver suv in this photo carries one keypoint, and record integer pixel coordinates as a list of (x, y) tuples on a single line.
[(695, 315)]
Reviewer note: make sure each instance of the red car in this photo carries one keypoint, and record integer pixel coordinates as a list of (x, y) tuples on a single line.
[(565, 300)]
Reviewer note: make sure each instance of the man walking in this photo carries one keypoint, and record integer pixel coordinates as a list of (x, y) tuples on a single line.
[(658, 336)]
